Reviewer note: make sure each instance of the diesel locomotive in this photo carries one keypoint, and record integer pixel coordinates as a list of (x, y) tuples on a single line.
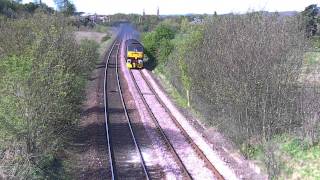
[(134, 54)]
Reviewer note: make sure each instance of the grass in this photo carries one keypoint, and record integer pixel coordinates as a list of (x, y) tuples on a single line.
[(296, 159), (105, 38), (252, 151), (315, 42), (311, 66), (301, 160), (101, 38), (312, 58), (103, 47), (90, 35), (101, 28), (177, 98), (172, 91)]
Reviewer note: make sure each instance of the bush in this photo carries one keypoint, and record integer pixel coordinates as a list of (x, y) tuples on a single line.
[(157, 45), (177, 66), (246, 70), (246, 79), (43, 73)]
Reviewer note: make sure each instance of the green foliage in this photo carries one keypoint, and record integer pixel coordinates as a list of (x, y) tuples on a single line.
[(101, 28), (8, 7), (315, 42), (294, 147), (310, 15), (242, 83), (66, 6), (158, 45), (31, 7), (298, 159), (241, 73), (180, 100), (289, 155), (105, 38), (170, 50), (251, 151), (169, 47), (164, 31), (13, 9), (15, 72), (165, 47), (177, 66), (312, 59), (43, 73)]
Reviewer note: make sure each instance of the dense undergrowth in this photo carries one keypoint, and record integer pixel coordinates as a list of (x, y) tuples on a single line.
[(43, 72), (244, 75)]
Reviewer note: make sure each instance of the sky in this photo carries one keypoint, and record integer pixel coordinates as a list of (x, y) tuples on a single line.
[(168, 7)]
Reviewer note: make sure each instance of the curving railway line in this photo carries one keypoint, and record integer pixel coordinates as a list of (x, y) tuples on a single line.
[(125, 156), (122, 143)]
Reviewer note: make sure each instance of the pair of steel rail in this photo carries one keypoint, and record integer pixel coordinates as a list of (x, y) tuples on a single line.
[(116, 47)]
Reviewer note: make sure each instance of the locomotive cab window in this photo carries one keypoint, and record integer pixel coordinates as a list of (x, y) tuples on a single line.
[(135, 48)]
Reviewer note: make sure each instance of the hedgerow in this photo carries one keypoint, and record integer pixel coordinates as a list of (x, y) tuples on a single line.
[(43, 72)]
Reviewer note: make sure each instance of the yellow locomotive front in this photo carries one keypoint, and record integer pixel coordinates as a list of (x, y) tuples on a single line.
[(134, 54)]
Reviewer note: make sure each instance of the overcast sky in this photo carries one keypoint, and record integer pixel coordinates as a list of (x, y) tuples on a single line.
[(185, 6)]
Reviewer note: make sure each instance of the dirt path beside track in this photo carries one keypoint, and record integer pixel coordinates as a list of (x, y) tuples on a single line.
[(88, 151)]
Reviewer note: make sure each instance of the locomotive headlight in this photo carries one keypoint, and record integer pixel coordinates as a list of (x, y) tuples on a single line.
[(140, 61)]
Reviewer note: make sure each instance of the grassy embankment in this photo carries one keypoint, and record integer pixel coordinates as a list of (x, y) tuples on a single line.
[(246, 75)]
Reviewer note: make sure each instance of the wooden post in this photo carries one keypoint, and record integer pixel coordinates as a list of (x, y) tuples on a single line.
[(188, 98)]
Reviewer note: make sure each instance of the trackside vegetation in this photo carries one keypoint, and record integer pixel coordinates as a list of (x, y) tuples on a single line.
[(246, 75), (43, 72)]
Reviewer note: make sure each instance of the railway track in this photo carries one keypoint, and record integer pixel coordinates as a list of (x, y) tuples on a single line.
[(178, 159), (125, 157), (122, 144), (162, 133)]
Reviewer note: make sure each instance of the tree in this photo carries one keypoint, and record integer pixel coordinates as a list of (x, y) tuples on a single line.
[(31, 7), (65, 6), (70, 8), (12, 8), (310, 14), (9, 8)]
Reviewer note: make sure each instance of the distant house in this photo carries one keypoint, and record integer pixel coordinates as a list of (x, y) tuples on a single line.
[(103, 18), (197, 20), (95, 18)]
